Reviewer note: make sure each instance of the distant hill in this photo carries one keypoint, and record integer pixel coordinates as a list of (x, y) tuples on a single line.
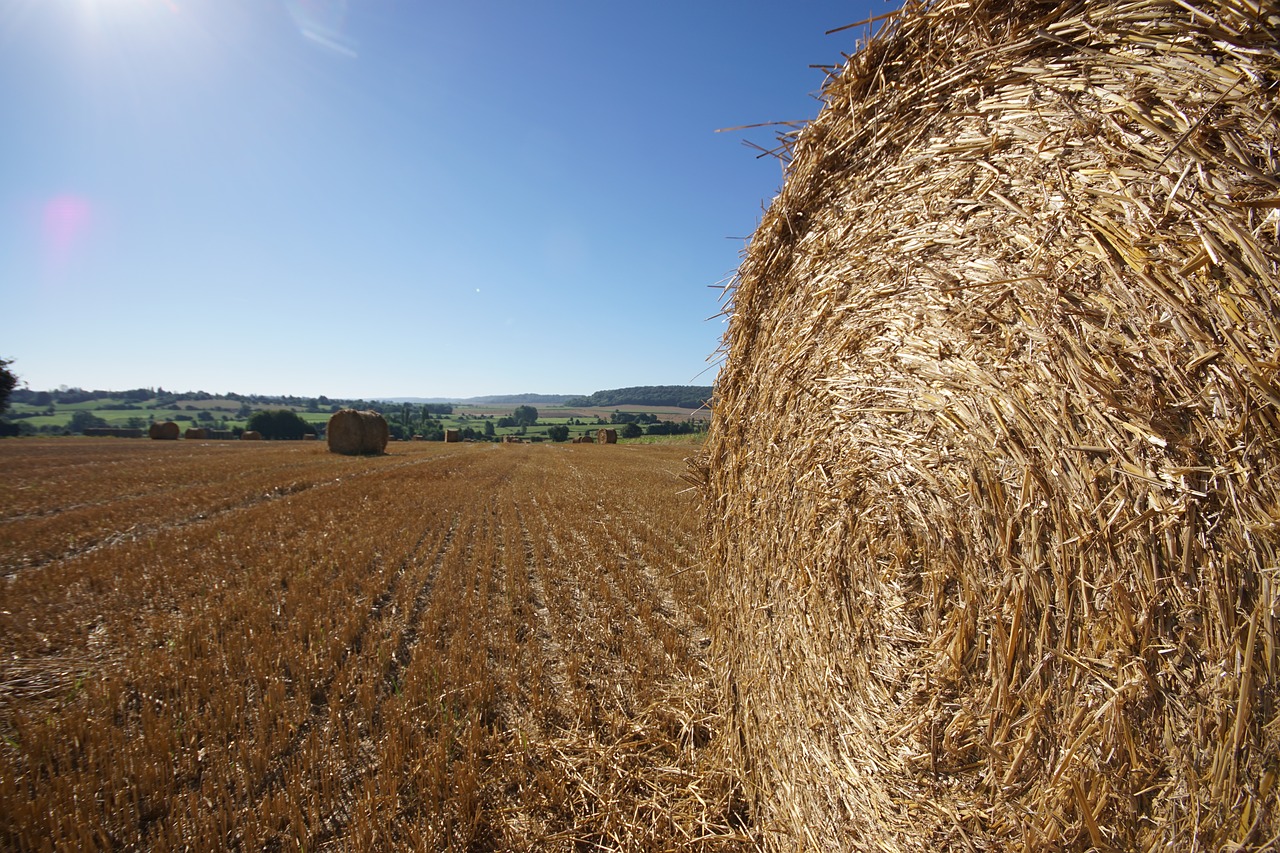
[(680, 396), (491, 400)]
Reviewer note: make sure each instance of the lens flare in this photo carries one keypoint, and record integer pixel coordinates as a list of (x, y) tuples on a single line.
[(323, 22), (67, 219)]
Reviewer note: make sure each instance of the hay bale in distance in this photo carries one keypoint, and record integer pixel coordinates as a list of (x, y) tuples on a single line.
[(355, 433), (251, 435), (309, 436), (196, 433), (606, 436), (992, 510), (453, 435), (164, 431)]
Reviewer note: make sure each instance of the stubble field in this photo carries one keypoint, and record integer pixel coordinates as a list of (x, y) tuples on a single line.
[(265, 646)]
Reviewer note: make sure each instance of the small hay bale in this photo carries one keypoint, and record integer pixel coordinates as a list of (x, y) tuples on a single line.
[(606, 436), (355, 433), (992, 506), (308, 436), (196, 433), (251, 435), (164, 431), (453, 435)]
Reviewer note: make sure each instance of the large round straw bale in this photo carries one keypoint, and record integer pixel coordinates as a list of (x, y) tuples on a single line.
[(354, 432), (606, 436), (196, 433), (993, 483), (453, 435), (251, 435), (164, 430)]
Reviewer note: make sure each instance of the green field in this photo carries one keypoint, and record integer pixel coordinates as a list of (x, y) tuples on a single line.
[(225, 414)]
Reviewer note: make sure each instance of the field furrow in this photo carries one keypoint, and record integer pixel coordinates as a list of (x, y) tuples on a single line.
[(462, 647)]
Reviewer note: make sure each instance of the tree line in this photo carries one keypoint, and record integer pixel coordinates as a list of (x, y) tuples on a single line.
[(678, 396)]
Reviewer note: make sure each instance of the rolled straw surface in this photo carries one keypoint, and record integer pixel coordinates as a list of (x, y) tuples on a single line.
[(993, 481), (354, 433)]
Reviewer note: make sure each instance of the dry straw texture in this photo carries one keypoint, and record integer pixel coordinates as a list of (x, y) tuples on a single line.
[(453, 435), (251, 435), (165, 430), (992, 485), (606, 436), (356, 433), (196, 432)]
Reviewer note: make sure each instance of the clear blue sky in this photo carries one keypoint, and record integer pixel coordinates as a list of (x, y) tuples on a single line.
[(387, 197)]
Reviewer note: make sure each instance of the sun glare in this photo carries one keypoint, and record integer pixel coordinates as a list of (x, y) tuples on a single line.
[(99, 7)]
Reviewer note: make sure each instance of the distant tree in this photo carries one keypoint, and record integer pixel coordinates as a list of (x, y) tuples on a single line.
[(631, 430), (279, 424), (525, 416), (8, 381), (488, 429), (559, 432), (205, 416), (82, 419), (504, 423)]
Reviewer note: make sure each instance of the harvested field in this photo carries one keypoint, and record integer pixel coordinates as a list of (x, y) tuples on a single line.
[(267, 646)]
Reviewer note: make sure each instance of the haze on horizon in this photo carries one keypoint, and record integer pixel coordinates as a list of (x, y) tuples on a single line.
[(382, 198)]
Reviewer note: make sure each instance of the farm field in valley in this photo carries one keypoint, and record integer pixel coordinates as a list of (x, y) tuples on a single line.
[(261, 645)]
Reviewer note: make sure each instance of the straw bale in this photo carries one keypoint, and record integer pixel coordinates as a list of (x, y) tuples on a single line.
[(196, 432), (164, 431), (992, 482), (309, 436), (606, 436), (453, 435), (354, 433), (251, 435)]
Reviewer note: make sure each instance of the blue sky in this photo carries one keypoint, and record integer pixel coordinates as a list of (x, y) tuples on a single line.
[(387, 197)]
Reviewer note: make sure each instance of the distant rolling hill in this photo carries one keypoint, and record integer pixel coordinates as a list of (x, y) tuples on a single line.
[(678, 396)]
